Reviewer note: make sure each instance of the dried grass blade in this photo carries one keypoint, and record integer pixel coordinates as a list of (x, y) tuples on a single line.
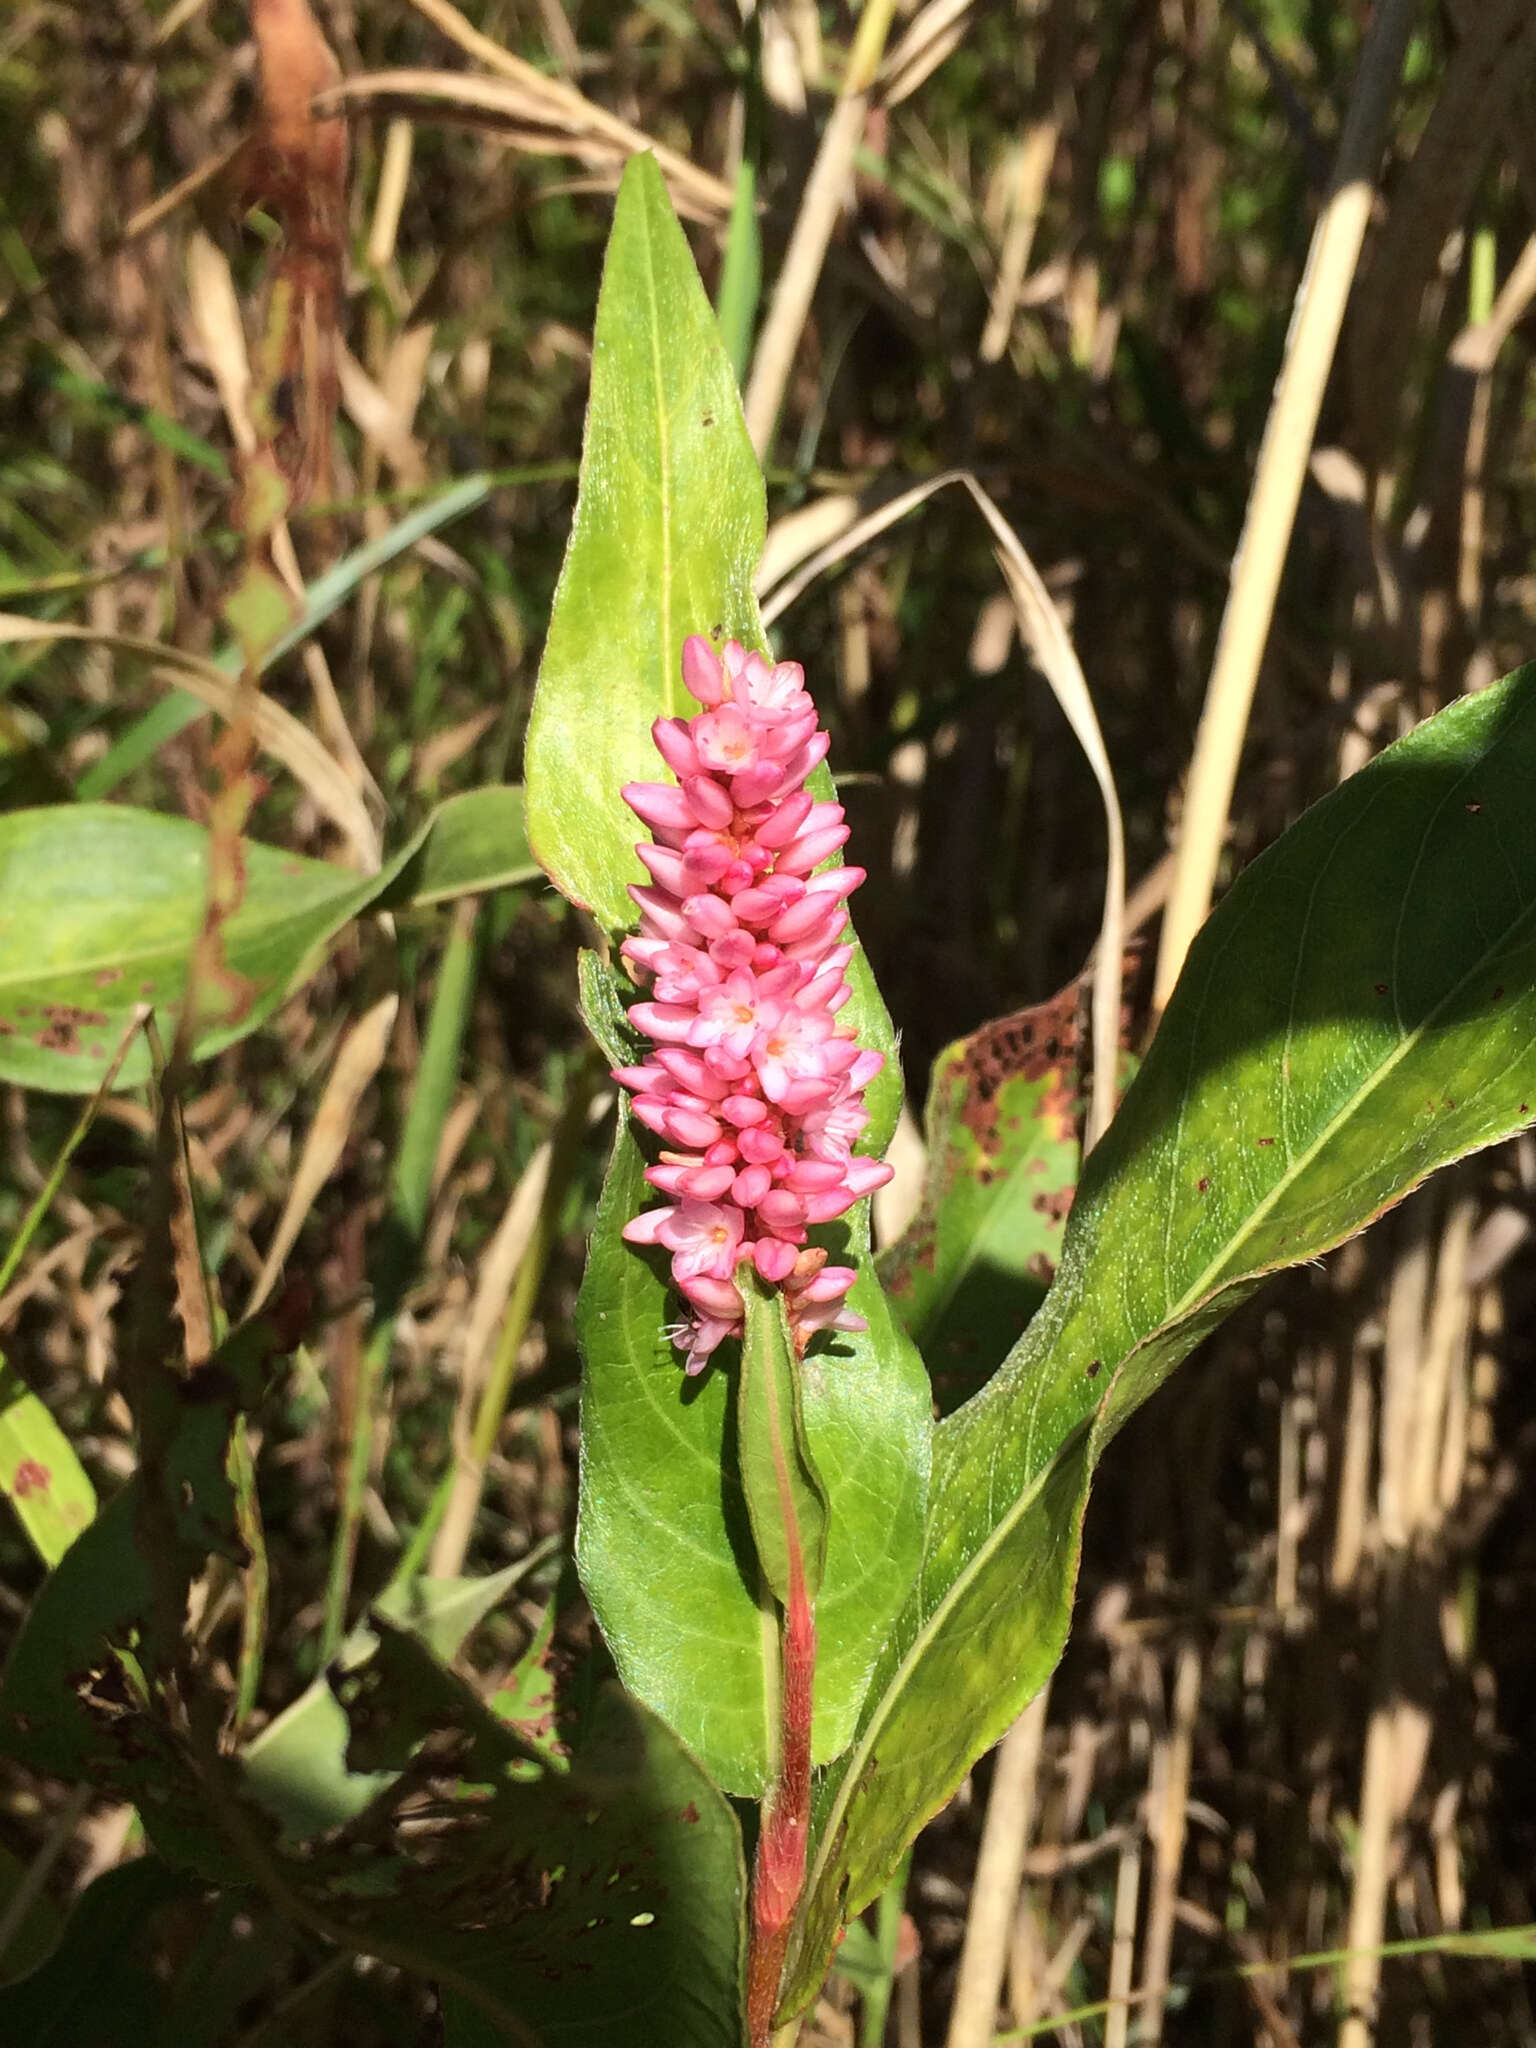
[(277, 731), (1276, 492), (551, 114), (1046, 637), (357, 1062), (1494, 59)]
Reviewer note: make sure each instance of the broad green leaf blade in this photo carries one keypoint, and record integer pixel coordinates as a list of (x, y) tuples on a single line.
[(668, 528), (100, 904), (39, 1473), (476, 842), (660, 1485), (1359, 1011), (1002, 1129), (786, 1502)]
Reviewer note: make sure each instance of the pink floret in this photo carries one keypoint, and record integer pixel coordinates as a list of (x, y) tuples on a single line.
[(750, 1078)]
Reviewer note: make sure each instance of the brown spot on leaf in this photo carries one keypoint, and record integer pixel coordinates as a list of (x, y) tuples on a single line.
[(31, 1477), (62, 1031), (1034, 1045), (1473, 806), (1381, 988), (105, 976), (1202, 1183), (1094, 1368), (1266, 1141)]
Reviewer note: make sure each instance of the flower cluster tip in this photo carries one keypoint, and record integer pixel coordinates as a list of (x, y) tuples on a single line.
[(754, 1088)]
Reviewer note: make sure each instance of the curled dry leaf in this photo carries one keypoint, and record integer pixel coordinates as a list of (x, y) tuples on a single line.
[(278, 732)]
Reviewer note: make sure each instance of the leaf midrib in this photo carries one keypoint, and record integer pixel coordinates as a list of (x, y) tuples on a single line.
[(1203, 1289)]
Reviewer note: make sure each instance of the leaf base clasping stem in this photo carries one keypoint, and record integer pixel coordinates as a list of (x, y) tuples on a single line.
[(778, 1871)]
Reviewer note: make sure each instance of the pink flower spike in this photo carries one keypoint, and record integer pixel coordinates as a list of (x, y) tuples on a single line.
[(752, 1085)]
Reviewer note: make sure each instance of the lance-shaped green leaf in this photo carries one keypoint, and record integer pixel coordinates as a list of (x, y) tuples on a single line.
[(1359, 1011), (663, 1538), (669, 524), (100, 905), (786, 1503), (668, 529)]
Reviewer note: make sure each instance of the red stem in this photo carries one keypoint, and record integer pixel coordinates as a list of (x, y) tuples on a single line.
[(778, 1875)]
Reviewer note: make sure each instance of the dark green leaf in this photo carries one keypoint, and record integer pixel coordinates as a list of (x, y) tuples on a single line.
[(1359, 1011), (580, 1908), (99, 1985)]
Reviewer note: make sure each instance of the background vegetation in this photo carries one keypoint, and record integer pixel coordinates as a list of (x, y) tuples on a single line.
[(1295, 1715)]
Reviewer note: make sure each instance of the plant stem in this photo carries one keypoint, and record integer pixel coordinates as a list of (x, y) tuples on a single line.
[(778, 1872)]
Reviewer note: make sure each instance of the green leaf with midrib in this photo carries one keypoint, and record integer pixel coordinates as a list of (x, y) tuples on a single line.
[(1359, 1011), (666, 536)]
